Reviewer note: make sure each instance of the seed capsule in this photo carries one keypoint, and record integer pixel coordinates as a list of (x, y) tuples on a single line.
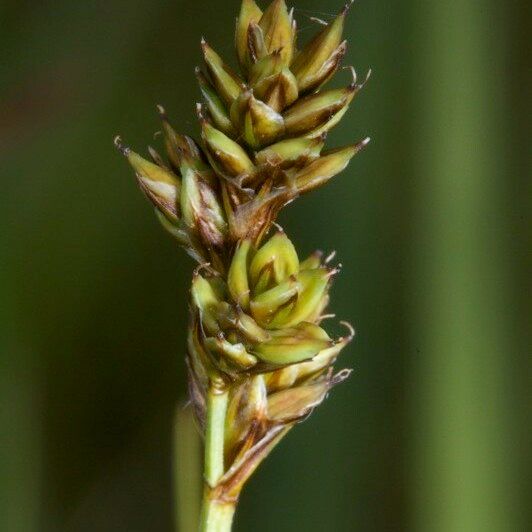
[(227, 83), (292, 345), (278, 91), (314, 284), (273, 82), (250, 328), (225, 154), (206, 301), (237, 277), (178, 145), (280, 254), (201, 209), (315, 80), (289, 152), (315, 111), (276, 24), (327, 166), (214, 104), (264, 306), (295, 403), (160, 185), (258, 123), (249, 12), (236, 353), (320, 57)]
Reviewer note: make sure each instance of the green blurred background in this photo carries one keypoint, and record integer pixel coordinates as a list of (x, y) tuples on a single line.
[(431, 433)]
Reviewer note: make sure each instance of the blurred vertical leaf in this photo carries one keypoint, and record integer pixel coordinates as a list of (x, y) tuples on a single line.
[(464, 456)]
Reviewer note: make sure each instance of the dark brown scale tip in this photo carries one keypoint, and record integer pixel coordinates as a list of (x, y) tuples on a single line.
[(120, 146)]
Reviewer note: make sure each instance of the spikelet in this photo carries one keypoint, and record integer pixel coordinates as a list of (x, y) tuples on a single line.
[(256, 310)]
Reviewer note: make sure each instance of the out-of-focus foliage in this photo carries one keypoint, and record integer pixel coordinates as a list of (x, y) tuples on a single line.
[(431, 431)]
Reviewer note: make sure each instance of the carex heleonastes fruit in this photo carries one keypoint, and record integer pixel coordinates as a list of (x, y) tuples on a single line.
[(256, 310)]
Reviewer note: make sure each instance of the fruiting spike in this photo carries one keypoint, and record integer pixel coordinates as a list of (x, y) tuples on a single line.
[(258, 358)]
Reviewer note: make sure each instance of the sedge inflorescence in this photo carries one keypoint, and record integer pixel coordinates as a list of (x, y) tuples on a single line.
[(256, 309)]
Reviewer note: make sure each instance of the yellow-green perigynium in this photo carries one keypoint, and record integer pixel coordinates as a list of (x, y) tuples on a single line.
[(267, 311)]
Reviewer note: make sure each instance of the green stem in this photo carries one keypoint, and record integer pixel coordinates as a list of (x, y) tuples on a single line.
[(216, 515)]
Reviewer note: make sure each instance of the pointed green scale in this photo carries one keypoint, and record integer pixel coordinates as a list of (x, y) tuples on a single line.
[(151, 171), (322, 360), (190, 199)]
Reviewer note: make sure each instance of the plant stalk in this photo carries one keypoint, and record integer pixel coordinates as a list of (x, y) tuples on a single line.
[(216, 514)]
